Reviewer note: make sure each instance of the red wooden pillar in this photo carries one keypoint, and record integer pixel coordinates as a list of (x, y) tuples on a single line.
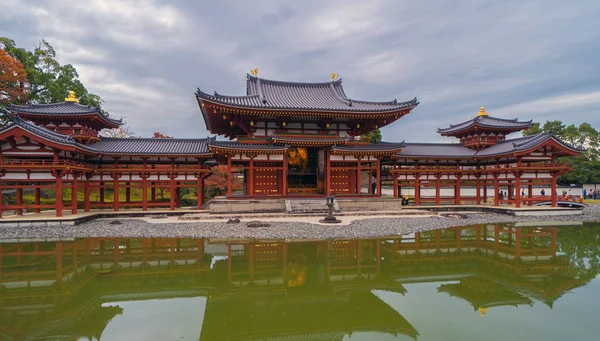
[(284, 176), (396, 194), (553, 190), (152, 192), (358, 184), (19, 210), (417, 190), (200, 199), (144, 192), (251, 177), (74, 196), (530, 192), (378, 176), (328, 173), (496, 191), (59, 187), (438, 186), (178, 195), (229, 175), (518, 189), (172, 192), (37, 197), (116, 193), (457, 191), (477, 191), (485, 185)]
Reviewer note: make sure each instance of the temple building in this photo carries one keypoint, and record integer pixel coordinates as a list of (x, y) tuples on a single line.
[(285, 140)]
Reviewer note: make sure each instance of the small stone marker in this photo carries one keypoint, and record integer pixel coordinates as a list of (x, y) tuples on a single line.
[(115, 222), (233, 221)]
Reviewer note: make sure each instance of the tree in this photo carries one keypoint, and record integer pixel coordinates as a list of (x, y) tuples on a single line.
[(159, 135), (122, 132), (216, 183), (373, 136), (533, 129), (12, 79), (47, 80), (586, 168)]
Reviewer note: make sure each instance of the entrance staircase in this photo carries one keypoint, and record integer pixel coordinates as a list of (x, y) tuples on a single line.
[(303, 206)]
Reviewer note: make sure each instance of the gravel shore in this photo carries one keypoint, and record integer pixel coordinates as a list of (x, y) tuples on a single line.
[(288, 229)]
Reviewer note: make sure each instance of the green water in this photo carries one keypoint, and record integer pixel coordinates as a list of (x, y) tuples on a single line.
[(483, 282)]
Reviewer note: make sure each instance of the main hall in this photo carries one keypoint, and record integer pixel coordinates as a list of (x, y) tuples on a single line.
[(278, 140)]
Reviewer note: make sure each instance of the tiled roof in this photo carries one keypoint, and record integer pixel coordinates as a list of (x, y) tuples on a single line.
[(445, 150), (152, 146), (522, 144), (329, 96), (44, 133), (486, 122), (451, 150), (244, 146), (61, 109), (386, 148)]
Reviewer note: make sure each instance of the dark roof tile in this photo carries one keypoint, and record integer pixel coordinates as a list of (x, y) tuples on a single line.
[(486, 122), (375, 147), (61, 109), (244, 146), (444, 150), (451, 150), (152, 146), (330, 96)]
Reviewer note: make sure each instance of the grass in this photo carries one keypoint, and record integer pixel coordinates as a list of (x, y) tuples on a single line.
[(592, 201)]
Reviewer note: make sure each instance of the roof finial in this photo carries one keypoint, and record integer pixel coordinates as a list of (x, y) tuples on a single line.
[(481, 112), (334, 76), (254, 72), (71, 97), (482, 311)]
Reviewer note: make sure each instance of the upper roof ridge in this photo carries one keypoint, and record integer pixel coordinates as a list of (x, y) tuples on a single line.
[(251, 78), (156, 139)]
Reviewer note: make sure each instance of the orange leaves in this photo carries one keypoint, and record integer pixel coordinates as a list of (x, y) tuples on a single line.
[(159, 135), (12, 79)]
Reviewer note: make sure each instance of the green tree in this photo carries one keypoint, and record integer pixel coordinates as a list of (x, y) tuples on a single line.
[(533, 129), (373, 136), (586, 168), (47, 80)]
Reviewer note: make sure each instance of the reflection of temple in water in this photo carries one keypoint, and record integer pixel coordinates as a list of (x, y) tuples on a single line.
[(306, 290)]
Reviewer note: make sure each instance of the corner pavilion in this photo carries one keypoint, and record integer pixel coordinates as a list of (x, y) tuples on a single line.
[(286, 139)]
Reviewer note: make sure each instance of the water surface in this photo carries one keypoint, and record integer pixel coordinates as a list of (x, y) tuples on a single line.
[(492, 282)]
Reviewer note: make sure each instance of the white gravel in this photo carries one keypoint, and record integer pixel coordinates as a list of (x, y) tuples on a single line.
[(362, 228)]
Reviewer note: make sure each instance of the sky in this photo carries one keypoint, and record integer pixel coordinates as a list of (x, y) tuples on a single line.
[(520, 59)]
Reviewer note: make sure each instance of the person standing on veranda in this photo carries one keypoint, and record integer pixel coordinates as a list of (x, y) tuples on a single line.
[(373, 184)]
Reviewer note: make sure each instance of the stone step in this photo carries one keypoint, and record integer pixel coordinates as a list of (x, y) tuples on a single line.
[(308, 206)]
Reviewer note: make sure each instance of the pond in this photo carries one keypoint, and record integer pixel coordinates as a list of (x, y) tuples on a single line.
[(492, 282)]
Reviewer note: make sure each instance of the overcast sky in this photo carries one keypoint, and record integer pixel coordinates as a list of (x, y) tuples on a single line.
[(527, 59)]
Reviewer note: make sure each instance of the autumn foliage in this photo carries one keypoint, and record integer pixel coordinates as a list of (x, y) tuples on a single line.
[(159, 135), (12, 79), (216, 183)]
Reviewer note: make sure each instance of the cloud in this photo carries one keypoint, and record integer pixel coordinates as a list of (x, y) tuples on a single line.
[(526, 59)]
